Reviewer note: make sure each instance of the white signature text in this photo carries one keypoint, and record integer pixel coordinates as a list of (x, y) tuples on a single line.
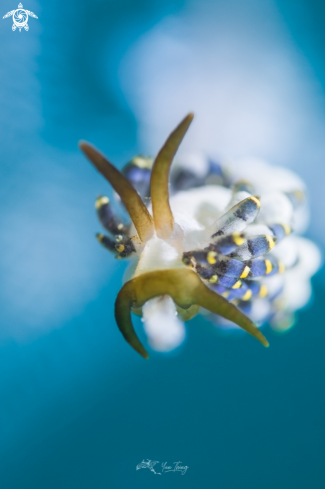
[(150, 464)]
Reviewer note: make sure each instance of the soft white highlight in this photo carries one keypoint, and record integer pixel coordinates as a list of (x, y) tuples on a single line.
[(164, 330)]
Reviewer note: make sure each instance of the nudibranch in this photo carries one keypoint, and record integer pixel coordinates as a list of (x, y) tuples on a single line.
[(203, 240)]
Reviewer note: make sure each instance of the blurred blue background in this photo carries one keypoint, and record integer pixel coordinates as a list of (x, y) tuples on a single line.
[(79, 408)]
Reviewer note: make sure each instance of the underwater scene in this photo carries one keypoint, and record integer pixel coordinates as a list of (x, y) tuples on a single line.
[(162, 244)]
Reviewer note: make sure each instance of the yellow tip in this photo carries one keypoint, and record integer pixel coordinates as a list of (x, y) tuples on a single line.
[(281, 267), (245, 272), (263, 291), (211, 257), (120, 248), (247, 295), (142, 162), (238, 240), (287, 229), (271, 241), (213, 279), (101, 201), (269, 267), (256, 199), (237, 284), (299, 194)]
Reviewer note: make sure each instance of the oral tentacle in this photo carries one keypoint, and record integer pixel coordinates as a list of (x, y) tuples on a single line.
[(162, 214), (186, 289), (132, 201)]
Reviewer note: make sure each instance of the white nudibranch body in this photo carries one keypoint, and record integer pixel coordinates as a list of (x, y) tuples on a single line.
[(223, 241), (194, 213)]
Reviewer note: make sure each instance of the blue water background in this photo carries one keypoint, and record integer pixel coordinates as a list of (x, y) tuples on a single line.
[(78, 407)]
